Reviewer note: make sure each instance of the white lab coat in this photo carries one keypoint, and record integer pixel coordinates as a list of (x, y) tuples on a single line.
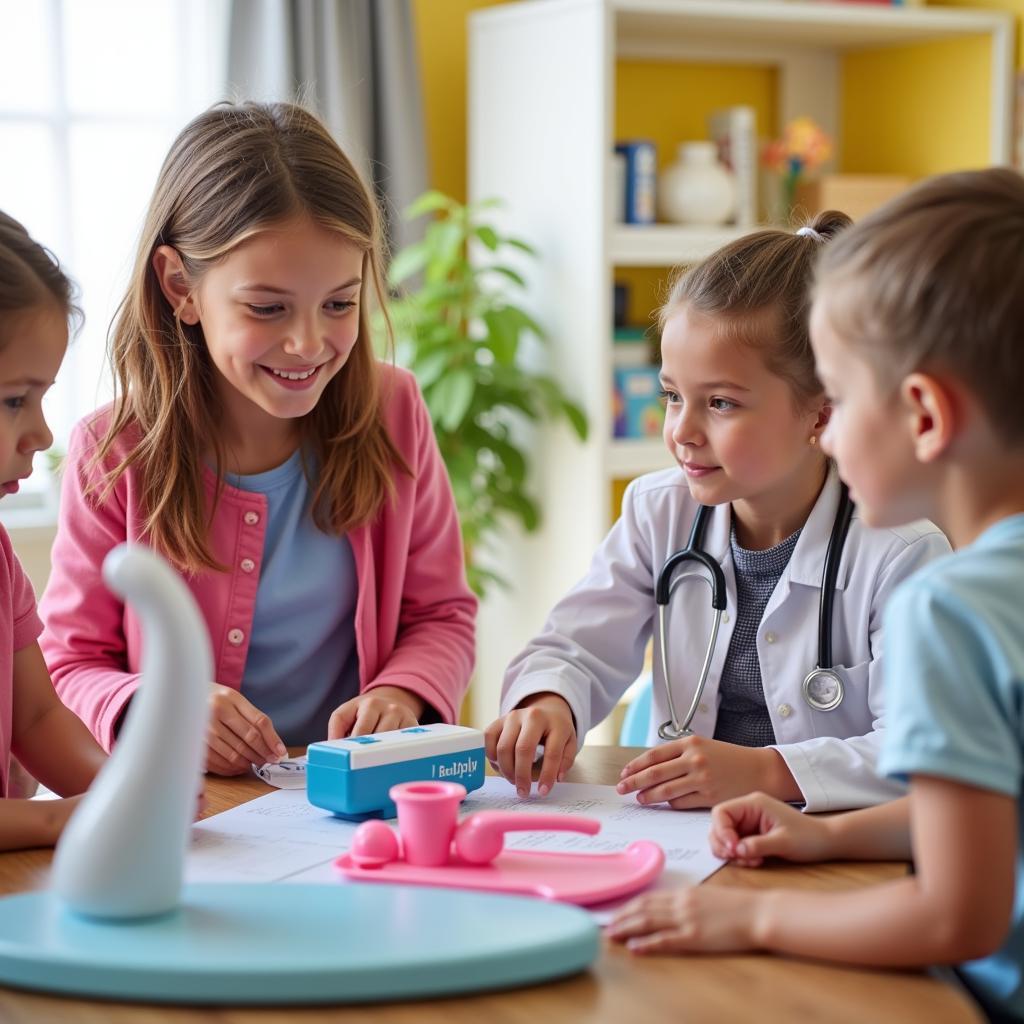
[(592, 645)]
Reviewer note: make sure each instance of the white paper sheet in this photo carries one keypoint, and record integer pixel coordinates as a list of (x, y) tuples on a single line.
[(281, 837)]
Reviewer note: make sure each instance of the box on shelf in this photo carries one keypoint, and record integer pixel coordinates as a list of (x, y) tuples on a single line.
[(636, 402), (854, 194)]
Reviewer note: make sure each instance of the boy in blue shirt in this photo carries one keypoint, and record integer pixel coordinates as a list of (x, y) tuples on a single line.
[(918, 332)]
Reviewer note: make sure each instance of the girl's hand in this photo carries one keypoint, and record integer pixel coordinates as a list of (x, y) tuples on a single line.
[(239, 734), (378, 710), (757, 826), (708, 919), (699, 772), (512, 742)]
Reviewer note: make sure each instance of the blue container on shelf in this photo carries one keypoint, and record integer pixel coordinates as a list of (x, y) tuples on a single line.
[(351, 777)]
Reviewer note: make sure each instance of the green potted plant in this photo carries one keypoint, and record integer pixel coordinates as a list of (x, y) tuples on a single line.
[(461, 332)]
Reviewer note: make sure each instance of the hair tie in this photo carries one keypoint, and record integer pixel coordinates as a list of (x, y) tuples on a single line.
[(811, 233)]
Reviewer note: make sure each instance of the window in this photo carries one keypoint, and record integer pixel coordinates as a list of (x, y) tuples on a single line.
[(91, 96)]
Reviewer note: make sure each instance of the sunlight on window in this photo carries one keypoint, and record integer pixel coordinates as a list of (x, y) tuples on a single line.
[(27, 58), (91, 96)]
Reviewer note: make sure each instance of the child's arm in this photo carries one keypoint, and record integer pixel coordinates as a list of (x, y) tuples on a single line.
[(956, 907), (48, 739), (54, 746), (756, 826), (29, 823)]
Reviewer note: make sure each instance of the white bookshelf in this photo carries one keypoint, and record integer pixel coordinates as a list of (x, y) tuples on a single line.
[(541, 114)]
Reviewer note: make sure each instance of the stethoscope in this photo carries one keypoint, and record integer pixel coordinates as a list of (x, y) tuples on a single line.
[(822, 688)]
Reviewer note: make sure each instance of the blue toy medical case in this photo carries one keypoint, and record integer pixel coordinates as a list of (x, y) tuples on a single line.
[(351, 777)]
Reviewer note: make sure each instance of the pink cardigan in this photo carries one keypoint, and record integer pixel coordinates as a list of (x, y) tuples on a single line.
[(414, 612)]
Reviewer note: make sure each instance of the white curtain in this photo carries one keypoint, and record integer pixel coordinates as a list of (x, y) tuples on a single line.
[(354, 62)]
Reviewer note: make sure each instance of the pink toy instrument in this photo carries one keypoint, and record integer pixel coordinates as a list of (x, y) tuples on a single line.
[(432, 848)]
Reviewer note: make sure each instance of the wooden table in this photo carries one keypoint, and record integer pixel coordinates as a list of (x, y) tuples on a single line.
[(619, 988)]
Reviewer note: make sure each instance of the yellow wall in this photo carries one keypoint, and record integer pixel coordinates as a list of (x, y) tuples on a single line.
[(930, 86), (441, 31), (1015, 7)]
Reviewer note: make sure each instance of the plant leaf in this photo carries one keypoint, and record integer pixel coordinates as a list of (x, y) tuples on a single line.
[(502, 336), (409, 261), (488, 236), (451, 397), (577, 418), (429, 202), (518, 243), (511, 274), (430, 367)]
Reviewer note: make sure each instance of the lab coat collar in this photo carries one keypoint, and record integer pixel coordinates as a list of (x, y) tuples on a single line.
[(807, 562)]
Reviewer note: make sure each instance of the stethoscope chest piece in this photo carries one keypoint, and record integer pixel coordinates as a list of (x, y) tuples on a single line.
[(823, 689)]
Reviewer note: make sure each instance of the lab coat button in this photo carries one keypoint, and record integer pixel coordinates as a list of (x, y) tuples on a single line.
[(770, 637), (702, 708), (247, 565), (235, 637), (725, 616), (251, 518), (785, 711)]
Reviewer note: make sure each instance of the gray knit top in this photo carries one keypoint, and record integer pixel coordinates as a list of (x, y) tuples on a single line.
[(742, 713)]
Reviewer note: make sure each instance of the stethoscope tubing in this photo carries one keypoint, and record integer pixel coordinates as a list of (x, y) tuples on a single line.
[(664, 585)]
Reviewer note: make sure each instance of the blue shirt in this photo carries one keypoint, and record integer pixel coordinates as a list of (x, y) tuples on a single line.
[(954, 679), (302, 661)]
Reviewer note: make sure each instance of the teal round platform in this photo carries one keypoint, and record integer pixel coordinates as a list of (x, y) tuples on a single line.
[(292, 944)]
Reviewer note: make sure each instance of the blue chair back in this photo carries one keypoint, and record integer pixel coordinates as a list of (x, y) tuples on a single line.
[(638, 715)]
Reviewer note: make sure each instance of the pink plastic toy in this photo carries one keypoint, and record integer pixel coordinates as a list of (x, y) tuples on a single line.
[(435, 850), (374, 845)]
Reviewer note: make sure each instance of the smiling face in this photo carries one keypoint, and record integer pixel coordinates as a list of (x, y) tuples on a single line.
[(280, 315), (731, 424), (34, 343)]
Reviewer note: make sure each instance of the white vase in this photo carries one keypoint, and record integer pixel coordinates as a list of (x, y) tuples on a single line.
[(697, 189)]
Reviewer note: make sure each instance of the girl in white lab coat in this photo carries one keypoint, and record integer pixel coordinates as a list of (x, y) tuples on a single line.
[(744, 414)]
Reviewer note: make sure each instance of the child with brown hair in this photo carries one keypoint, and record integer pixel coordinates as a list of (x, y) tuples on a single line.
[(744, 415), (35, 308), (916, 327), (259, 445)]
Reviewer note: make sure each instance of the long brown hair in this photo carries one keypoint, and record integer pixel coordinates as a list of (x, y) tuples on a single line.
[(30, 275), (757, 290), (233, 171), (934, 280)]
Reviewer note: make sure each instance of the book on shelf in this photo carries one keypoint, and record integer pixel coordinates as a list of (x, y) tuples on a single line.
[(734, 131), (639, 174)]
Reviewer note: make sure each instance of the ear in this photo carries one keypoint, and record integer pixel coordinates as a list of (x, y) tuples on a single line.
[(170, 273), (822, 415), (930, 412)]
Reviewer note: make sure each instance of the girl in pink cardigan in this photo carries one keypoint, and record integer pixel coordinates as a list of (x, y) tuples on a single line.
[(258, 444)]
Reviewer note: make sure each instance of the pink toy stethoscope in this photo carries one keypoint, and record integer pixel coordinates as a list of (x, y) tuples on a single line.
[(430, 836), (432, 848)]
